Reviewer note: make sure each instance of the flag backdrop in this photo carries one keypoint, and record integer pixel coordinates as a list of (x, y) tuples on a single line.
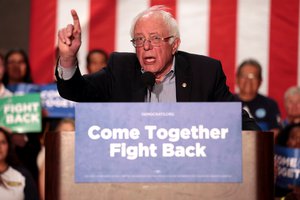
[(228, 30)]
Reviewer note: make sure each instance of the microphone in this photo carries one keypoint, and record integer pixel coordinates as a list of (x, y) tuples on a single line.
[(148, 79)]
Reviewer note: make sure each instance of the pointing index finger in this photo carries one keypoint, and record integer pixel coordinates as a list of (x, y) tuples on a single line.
[(76, 22)]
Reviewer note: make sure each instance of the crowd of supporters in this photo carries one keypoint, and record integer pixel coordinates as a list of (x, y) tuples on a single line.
[(22, 155)]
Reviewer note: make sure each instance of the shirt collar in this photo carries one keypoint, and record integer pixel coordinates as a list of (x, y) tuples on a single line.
[(170, 75)]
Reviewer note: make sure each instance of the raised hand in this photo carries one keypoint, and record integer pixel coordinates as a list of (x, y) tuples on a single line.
[(69, 41)]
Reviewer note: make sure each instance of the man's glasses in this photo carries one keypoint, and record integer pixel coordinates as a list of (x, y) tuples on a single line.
[(155, 40), (250, 76)]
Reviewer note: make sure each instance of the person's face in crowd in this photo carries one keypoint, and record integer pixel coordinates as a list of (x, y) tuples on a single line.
[(248, 81), (155, 58), (292, 106), (294, 138), (1, 69), (97, 62), (3, 147), (16, 68)]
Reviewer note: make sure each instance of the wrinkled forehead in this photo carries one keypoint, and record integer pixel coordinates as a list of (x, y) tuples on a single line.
[(293, 98), (151, 22), (248, 68)]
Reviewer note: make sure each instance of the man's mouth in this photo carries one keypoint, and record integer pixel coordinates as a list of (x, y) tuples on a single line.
[(149, 60)]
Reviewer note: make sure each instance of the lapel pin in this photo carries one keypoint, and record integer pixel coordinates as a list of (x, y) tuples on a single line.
[(184, 85)]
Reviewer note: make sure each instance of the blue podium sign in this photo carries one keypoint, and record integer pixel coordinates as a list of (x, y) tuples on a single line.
[(158, 142)]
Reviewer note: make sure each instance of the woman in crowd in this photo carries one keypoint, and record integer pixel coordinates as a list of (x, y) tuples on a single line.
[(17, 68), (289, 137), (17, 71), (16, 182)]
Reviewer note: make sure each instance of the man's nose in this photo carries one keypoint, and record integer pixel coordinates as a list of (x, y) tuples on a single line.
[(147, 45)]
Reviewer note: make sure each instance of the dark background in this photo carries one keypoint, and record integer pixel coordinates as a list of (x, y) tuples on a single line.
[(14, 24)]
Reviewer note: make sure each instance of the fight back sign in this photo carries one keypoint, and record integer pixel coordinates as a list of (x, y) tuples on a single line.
[(21, 114), (158, 142)]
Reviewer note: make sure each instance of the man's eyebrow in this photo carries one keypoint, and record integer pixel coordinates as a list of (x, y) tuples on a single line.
[(151, 33), (138, 34), (154, 33)]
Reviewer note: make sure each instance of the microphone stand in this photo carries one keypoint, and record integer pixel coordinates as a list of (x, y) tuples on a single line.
[(148, 79), (148, 94)]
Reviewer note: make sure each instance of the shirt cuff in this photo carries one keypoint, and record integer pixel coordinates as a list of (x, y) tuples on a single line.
[(65, 73)]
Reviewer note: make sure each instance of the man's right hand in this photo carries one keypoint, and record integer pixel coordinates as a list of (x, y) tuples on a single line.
[(69, 41)]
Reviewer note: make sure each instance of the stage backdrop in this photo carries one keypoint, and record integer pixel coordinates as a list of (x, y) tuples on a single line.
[(229, 30)]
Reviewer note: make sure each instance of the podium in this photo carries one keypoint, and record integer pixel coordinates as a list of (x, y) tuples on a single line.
[(257, 183)]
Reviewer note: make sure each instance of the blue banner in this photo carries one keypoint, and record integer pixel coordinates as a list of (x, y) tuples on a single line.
[(23, 88), (158, 142), (55, 106), (287, 161)]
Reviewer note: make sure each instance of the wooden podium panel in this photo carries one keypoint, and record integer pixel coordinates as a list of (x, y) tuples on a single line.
[(257, 184)]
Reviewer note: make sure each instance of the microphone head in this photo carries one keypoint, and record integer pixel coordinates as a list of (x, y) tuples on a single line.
[(148, 79)]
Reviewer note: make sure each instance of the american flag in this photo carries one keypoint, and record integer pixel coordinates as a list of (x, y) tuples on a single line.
[(228, 30)]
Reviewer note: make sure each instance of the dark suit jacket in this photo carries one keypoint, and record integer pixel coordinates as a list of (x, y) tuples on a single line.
[(198, 79)]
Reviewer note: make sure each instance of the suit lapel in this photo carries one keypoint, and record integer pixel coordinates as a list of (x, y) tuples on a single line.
[(183, 79), (137, 85), (139, 92)]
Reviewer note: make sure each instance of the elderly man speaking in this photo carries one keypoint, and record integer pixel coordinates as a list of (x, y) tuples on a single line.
[(157, 72)]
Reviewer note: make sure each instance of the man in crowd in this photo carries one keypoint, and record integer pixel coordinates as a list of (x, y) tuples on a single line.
[(264, 109), (178, 76), (292, 105), (96, 60)]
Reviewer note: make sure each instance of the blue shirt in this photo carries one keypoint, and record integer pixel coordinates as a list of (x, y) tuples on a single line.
[(165, 91)]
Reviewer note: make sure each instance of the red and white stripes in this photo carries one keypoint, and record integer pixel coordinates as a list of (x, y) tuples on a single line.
[(229, 30)]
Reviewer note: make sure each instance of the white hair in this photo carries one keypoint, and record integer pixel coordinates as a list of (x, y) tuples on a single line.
[(167, 17), (291, 91)]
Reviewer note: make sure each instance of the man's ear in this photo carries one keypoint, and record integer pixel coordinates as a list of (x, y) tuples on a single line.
[(260, 82), (175, 45)]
